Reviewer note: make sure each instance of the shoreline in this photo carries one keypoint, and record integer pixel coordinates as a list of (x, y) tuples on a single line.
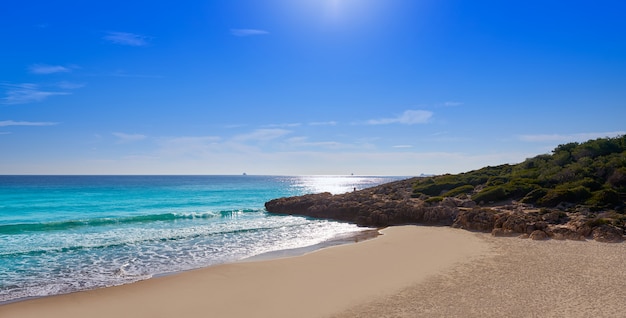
[(341, 239), (407, 271), (344, 239), (318, 283)]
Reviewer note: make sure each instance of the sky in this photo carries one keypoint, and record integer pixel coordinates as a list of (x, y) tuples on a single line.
[(304, 87)]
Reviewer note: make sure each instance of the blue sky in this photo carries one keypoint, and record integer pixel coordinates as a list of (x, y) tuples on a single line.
[(374, 87)]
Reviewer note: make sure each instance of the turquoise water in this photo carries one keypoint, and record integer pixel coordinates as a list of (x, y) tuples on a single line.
[(60, 234)]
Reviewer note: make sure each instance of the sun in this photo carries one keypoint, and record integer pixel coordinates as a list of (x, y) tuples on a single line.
[(337, 9), (338, 14)]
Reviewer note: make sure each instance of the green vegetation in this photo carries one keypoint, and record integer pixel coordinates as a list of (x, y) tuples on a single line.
[(468, 188), (592, 174)]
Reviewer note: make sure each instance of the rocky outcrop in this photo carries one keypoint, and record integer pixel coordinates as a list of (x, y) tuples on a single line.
[(608, 233), (476, 220), (392, 204), (538, 235)]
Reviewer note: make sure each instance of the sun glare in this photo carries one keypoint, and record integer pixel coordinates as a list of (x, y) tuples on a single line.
[(336, 12)]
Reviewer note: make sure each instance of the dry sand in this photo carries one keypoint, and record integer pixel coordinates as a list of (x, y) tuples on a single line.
[(523, 278), (409, 271)]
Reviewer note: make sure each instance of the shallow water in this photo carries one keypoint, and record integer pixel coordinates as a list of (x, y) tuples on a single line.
[(62, 234)]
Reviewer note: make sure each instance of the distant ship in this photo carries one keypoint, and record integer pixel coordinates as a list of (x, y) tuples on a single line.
[(245, 174)]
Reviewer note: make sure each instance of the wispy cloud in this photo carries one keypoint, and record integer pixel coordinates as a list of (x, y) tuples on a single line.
[(48, 69), (569, 137), (323, 123), (6, 123), (262, 135), (126, 38), (26, 93), (247, 32), (123, 73), (402, 146), (285, 125), (124, 138), (69, 85), (409, 117), (451, 104), (304, 142)]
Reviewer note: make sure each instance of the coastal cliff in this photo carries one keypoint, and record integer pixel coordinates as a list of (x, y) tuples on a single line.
[(576, 193), (392, 204)]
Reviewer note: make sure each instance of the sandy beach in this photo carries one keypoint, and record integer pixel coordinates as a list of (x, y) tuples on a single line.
[(522, 278), (409, 271)]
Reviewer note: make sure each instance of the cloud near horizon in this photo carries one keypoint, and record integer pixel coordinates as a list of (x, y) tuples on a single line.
[(262, 135), (128, 138), (126, 38), (409, 117), (247, 32)]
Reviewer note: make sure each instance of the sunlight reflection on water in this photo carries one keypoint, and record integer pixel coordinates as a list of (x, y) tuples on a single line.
[(339, 184)]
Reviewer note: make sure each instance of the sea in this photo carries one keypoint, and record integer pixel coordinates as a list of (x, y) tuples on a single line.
[(61, 234)]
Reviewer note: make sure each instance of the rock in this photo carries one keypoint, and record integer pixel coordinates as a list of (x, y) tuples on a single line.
[(564, 233), (468, 204), (515, 223), (541, 225), (553, 217), (608, 234), (538, 235), (449, 202), (394, 204), (475, 219), (388, 204), (500, 232)]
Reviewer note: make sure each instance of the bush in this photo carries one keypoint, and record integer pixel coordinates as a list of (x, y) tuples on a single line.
[(604, 197), (496, 181), (489, 194), (436, 187), (519, 188), (556, 196), (533, 196), (618, 178), (459, 190), (434, 199), (597, 222)]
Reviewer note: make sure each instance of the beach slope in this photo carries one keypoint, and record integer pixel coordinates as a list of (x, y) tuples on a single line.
[(318, 284)]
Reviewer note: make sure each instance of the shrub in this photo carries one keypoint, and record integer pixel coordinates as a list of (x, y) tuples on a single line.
[(597, 222), (618, 178), (459, 190), (489, 194), (533, 196), (496, 181), (604, 197), (519, 188), (556, 196), (434, 199), (436, 188)]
